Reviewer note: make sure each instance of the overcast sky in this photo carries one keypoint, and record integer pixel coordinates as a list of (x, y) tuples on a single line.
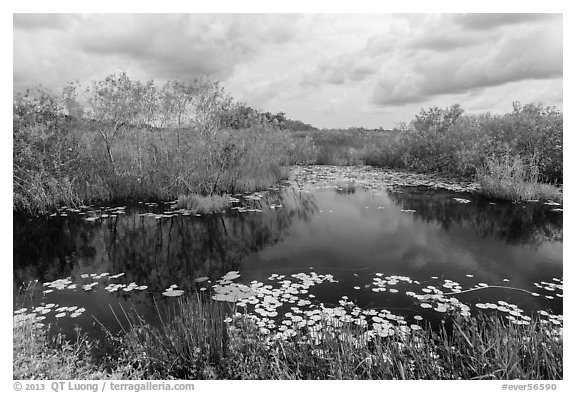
[(336, 70)]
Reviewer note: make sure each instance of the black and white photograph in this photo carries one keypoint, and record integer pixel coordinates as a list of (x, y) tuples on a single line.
[(286, 196)]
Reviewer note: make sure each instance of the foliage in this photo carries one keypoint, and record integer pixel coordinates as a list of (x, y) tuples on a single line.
[(126, 139), (453, 143), (203, 204), (188, 346), (197, 344), (45, 152), (509, 177), (134, 140), (36, 356)]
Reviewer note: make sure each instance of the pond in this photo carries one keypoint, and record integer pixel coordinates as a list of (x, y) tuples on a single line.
[(402, 252)]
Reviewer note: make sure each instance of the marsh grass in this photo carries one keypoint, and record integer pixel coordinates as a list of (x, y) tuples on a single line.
[(198, 344), (510, 177), (203, 204), (190, 342), (38, 355), (199, 338)]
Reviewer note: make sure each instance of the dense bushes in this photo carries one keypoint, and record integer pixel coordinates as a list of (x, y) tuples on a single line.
[(453, 143), (45, 153), (129, 140), (125, 139)]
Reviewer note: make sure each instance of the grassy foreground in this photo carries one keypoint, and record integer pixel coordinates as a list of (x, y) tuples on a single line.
[(203, 342)]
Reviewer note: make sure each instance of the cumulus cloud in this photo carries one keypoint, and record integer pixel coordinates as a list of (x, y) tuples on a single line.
[(159, 46), (448, 54), (325, 69), (487, 21), (184, 46), (40, 21), (531, 56)]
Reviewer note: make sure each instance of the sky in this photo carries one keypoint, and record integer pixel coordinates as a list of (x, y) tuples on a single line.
[(329, 70)]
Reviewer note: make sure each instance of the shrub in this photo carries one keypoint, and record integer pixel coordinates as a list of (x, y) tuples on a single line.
[(510, 177)]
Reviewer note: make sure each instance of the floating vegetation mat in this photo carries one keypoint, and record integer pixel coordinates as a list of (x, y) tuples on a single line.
[(342, 177), (285, 305), (255, 202)]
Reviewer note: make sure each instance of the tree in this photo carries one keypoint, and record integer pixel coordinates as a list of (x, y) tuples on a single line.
[(113, 103), (437, 120)]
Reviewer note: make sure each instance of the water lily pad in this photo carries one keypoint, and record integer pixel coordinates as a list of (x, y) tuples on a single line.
[(173, 293)]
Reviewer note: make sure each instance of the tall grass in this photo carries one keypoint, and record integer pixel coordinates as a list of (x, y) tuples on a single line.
[(37, 356), (188, 345), (122, 145), (198, 344), (199, 338), (510, 177), (203, 204)]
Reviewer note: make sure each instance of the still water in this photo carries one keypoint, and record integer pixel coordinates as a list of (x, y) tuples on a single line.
[(351, 233)]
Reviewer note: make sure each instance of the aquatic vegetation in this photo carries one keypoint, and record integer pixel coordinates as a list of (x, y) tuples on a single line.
[(232, 292), (199, 204), (371, 178), (266, 304), (510, 177), (295, 306), (173, 291), (192, 346)]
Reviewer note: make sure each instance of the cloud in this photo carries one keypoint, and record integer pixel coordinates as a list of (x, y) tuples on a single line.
[(489, 21), (435, 55), (40, 21), (442, 42), (534, 55), (185, 46), (158, 46), (325, 69)]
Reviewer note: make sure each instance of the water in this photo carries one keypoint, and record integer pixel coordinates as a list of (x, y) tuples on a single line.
[(354, 234)]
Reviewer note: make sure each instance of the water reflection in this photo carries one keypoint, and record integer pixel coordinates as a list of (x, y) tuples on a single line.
[(522, 223), (149, 250), (345, 231)]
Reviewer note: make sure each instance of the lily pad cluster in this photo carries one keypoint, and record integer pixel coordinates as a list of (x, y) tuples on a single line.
[(67, 283), (39, 313), (287, 306), (374, 178)]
